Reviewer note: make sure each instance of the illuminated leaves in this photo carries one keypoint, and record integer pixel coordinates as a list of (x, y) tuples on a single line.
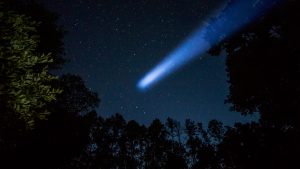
[(25, 79)]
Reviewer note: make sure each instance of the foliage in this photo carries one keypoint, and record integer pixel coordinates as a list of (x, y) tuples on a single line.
[(66, 134), (263, 66), (263, 70), (25, 80), (50, 34)]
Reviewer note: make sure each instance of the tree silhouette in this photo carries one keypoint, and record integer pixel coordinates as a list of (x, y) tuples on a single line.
[(263, 71), (263, 66), (64, 136), (256, 146), (155, 156), (175, 150), (135, 143)]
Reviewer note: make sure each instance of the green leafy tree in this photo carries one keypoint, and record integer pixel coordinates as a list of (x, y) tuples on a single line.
[(50, 33), (25, 82), (63, 139)]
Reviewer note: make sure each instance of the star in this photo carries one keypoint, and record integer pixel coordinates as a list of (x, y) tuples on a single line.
[(112, 44)]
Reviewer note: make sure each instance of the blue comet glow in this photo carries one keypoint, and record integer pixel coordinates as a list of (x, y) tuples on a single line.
[(234, 17)]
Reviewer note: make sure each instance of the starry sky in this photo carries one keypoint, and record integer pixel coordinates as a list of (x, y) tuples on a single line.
[(112, 44)]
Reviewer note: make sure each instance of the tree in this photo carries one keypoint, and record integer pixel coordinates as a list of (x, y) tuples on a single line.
[(174, 129), (201, 144), (135, 135), (25, 82), (28, 93), (252, 145), (175, 150), (155, 153), (216, 131), (263, 66), (263, 70), (76, 97), (50, 34), (62, 139)]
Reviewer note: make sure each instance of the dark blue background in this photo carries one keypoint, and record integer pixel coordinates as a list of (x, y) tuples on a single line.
[(111, 44)]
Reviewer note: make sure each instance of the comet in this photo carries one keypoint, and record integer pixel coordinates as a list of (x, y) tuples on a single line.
[(233, 17)]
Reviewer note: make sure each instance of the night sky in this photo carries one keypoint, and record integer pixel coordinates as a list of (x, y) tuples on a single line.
[(112, 44)]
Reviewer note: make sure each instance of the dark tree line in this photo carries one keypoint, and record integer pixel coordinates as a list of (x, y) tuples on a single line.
[(263, 69), (50, 122)]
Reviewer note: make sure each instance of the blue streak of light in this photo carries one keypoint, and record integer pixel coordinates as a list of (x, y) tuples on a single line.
[(233, 18)]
